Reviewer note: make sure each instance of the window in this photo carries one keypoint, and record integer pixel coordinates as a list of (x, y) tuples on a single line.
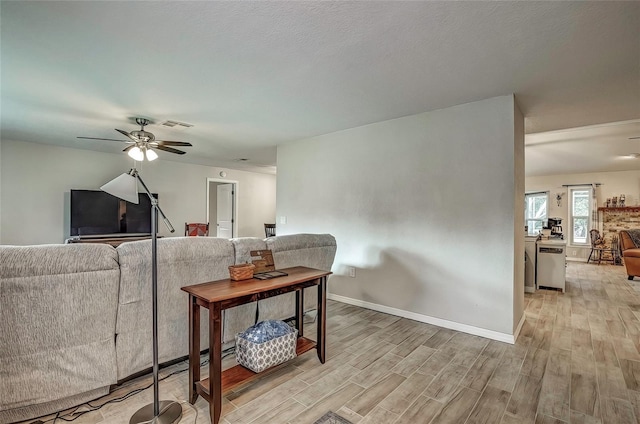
[(580, 213), (535, 215)]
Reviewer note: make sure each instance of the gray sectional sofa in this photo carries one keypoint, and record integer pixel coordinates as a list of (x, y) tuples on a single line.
[(76, 319)]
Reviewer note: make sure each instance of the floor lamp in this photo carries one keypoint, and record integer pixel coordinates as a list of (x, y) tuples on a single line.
[(125, 187)]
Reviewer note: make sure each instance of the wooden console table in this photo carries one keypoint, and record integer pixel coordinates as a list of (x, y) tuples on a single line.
[(219, 295)]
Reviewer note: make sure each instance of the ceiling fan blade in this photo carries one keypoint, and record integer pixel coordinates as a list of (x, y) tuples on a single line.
[(170, 150), (172, 143), (633, 138), (126, 149), (107, 139), (126, 134)]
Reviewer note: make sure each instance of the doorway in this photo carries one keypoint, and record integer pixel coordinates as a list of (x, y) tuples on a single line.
[(221, 208)]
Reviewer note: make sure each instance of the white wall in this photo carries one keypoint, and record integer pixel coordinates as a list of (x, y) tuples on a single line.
[(613, 184), (518, 251), (36, 179), (423, 207), (0, 190)]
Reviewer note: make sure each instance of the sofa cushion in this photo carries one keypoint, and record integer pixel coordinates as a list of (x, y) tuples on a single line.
[(310, 250), (243, 247), (58, 316), (182, 261)]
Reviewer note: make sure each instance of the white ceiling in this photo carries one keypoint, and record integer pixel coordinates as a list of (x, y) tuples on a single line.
[(596, 148), (252, 75)]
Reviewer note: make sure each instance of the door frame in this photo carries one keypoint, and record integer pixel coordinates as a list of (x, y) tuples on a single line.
[(236, 187)]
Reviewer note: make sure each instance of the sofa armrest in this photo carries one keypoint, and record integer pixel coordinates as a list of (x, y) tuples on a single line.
[(625, 241)]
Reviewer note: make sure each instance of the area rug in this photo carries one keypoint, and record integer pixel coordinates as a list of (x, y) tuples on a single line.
[(332, 418)]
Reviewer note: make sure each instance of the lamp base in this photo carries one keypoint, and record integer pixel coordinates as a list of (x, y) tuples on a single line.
[(172, 413)]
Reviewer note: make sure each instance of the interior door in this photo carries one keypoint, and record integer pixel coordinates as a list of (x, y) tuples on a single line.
[(224, 210)]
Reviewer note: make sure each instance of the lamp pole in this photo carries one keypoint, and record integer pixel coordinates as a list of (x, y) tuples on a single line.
[(164, 412), (154, 294), (125, 187)]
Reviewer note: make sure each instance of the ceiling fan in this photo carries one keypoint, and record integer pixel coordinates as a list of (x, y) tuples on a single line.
[(141, 143)]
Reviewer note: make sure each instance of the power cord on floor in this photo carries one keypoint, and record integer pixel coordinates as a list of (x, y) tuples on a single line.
[(92, 408)]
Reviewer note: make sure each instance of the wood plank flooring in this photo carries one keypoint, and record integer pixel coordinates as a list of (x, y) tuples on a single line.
[(577, 360)]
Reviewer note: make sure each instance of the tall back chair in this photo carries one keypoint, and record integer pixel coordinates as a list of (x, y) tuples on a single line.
[(269, 230), (196, 229), (600, 249), (596, 245)]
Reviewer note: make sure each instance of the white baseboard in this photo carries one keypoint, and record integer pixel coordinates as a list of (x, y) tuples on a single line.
[(528, 289), (470, 329)]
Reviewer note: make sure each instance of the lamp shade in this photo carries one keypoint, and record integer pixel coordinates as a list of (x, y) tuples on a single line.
[(136, 154), (151, 155), (124, 186)]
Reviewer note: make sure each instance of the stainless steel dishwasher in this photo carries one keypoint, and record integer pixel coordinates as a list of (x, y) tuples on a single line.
[(551, 263)]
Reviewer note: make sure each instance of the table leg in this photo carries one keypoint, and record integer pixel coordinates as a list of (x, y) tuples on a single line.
[(194, 348), (215, 362), (322, 318), (300, 312)]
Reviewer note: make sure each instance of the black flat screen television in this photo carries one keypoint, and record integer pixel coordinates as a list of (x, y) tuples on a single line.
[(97, 213)]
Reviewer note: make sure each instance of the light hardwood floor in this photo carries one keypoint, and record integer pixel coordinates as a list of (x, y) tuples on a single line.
[(577, 360)]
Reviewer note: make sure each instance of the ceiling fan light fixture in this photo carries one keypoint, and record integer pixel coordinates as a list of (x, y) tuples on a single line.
[(136, 154), (151, 155), (142, 143)]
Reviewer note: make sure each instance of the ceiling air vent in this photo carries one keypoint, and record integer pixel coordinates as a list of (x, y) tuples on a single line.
[(178, 124)]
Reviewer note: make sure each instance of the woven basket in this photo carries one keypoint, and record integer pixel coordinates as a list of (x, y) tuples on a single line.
[(259, 357), (241, 272)]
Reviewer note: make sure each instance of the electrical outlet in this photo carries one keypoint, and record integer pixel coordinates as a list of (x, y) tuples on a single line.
[(574, 252), (283, 219), (352, 271)]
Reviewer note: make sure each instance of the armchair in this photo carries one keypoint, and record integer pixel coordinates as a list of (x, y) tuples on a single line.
[(630, 246)]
